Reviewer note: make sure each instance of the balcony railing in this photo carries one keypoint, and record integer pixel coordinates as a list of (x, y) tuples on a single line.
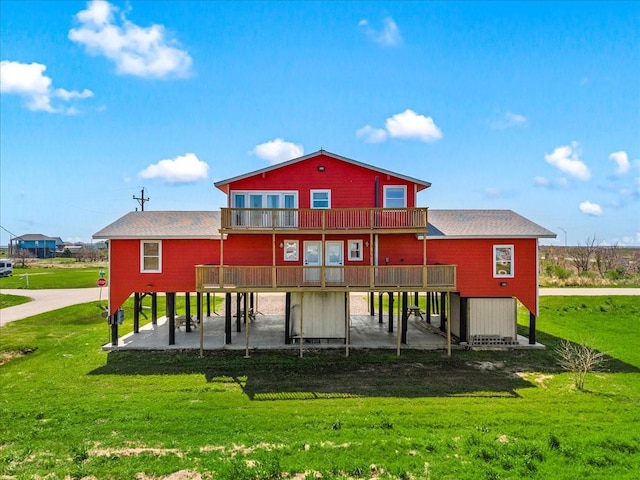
[(283, 278), (259, 220)]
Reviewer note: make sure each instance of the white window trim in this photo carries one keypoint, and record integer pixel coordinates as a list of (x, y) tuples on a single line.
[(323, 190), (142, 256), (496, 272), (355, 259), (384, 194), (295, 257)]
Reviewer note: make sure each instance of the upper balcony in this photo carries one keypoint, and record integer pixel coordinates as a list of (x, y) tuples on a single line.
[(314, 220)]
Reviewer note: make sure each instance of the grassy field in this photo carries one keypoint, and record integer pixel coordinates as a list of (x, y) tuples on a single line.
[(37, 277), (11, 300), (70, 410)]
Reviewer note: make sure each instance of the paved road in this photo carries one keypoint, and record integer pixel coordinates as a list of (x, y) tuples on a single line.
[(47, 300), (589, 292)]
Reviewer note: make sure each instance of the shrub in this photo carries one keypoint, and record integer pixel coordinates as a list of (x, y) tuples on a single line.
[(579, 359)]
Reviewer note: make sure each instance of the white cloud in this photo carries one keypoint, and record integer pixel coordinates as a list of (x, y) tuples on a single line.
[(411, 125), (550, 184), (71, 94), (29, 81), (185, 168), (139, 51), (590, 208), (567, 159), (510, 120), (622, 162), (276, 151), (371, 134), (388, 36), (541, 182), (406, 125)]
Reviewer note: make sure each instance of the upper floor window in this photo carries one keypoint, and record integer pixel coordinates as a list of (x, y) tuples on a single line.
[(151, 256), (268, 208), (264, 199), (395, 196), (503, 261), (320, 198)]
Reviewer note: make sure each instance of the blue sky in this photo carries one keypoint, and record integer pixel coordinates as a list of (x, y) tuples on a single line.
[(533, 107)]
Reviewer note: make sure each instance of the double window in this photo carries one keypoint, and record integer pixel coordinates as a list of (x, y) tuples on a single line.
[(151, 256)]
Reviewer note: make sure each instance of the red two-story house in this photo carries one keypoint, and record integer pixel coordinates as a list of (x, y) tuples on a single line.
[(320, 226)]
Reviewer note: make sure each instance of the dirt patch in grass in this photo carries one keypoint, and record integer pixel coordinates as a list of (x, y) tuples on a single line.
[(8, 355), (180, 475), (244, 450), (128, 452)]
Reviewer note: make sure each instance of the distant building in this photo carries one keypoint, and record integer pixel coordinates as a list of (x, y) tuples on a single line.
[(41, 246)]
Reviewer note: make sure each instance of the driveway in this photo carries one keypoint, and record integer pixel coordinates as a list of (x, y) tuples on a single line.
[(589, 292), (47, 300)]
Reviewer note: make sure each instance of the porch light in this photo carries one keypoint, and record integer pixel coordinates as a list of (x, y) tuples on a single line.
[(281, 245), (321, 168)]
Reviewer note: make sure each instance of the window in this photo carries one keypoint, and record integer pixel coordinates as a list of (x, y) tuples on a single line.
[(395, 196), (259, 199), (151, 257), (503, 261), (320, 198), (263, 202), (291, 250), (355, 250)]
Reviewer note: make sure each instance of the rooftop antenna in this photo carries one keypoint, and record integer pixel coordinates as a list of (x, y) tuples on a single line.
[(141, 199)]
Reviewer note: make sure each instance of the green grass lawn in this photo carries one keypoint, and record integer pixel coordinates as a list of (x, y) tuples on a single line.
[(12, 300), (35, 278), (70, 410)]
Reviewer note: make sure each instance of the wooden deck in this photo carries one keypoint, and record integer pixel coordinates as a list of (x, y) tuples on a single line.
[(314, 220), (215, 278)]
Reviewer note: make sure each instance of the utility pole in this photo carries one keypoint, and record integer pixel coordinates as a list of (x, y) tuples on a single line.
[(141, 199)]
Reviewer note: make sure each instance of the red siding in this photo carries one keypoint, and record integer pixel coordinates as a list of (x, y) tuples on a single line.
[(351, 186), (257, 249), (400, 250), (474, 259), (179, 258)]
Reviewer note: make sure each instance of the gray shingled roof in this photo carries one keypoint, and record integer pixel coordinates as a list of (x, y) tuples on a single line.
[(164, 224), (29, 237), (482, 223)]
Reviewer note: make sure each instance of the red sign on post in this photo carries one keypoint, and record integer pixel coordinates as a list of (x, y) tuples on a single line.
[(101, 282)]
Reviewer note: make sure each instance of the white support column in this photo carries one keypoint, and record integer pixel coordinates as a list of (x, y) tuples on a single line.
[(200, 297), (301, 322), (448, 314), (348, 323), (247, 321)]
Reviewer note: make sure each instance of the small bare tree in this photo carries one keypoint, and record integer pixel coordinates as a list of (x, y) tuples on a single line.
[(582, 255), (607, 258), (23, 254), (579, 359)]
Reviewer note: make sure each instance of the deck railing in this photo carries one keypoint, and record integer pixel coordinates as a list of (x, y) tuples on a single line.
[(229, 278), (333, 219)]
